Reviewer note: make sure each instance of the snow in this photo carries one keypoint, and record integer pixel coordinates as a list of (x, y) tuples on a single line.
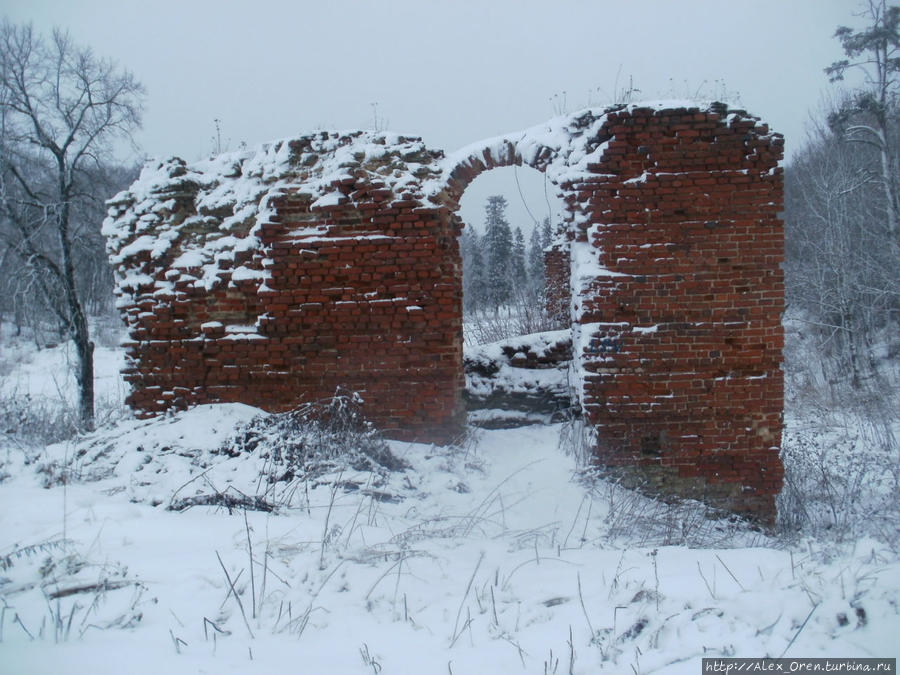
[(245, 274), (564, 146), (561, 147), (45, 377), (586, 265), (539, 344), (227, 199), (332, 199), (240, 332), (484, 557), (519, 380)]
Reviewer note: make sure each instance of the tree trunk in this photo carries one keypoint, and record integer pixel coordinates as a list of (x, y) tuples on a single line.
[(84, 375), (78, 323), (84, 349), (887, 180)]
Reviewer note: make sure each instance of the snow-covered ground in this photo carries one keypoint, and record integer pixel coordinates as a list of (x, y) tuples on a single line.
[(493, 556), (45, 377)]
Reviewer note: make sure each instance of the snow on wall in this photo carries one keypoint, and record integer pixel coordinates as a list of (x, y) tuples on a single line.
[(232, 198), (279, 275), (276, 275)]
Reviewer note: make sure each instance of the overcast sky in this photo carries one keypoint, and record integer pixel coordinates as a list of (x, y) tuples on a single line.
[(453, 71)]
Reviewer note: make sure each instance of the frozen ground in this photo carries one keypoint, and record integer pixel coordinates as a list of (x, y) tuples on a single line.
[(489, 557), (44, 377)]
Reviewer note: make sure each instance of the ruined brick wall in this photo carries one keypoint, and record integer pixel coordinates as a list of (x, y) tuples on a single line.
[(670, 272), (679, 325), (331, 261), (557, 270), (356, 288)]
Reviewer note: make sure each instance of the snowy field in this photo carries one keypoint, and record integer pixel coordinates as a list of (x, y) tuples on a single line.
[(118, 554)]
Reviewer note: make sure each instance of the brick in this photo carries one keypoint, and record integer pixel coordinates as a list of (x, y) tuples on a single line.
[(683, 386)]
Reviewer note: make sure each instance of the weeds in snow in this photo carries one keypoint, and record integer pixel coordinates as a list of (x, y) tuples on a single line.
[(635, 519), (315, 439), (78, 595), (306, 444), (369, 659), (842, 479), (33, 422), (366, 540)]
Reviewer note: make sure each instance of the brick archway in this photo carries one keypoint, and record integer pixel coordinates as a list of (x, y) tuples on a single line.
[(332, 260), (464, 166), (675, 290)]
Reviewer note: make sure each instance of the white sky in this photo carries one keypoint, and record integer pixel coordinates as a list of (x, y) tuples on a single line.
[(453, 71)]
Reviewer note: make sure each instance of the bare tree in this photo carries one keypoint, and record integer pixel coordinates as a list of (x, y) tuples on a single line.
[(61, 111), (841, 210), (841, 272)]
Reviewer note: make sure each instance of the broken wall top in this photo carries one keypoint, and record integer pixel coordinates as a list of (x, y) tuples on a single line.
[(197, 222), (192, 218)]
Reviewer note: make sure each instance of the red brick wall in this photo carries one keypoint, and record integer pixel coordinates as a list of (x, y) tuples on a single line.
[(682, 338), (359, 296), (557, 268), (676, 313)]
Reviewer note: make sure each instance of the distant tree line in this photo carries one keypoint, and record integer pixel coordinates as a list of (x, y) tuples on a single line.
[(841, 211), (499, 269)]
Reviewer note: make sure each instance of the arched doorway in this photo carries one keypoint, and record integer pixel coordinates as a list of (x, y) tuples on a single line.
[(675, 290), (511, 215)]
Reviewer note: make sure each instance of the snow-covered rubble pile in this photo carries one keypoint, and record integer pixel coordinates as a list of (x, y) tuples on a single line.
[(230, 455), (521, 380)]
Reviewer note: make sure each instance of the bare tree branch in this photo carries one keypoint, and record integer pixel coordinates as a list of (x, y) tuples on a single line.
[(60, 109)]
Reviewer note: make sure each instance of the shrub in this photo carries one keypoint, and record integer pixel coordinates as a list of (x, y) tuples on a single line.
[(315, 439), (35, 422)]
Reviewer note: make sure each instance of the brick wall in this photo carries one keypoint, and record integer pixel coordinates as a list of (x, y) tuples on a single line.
[(359, 291), (557, 268), (331, 261), (680, 327)]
